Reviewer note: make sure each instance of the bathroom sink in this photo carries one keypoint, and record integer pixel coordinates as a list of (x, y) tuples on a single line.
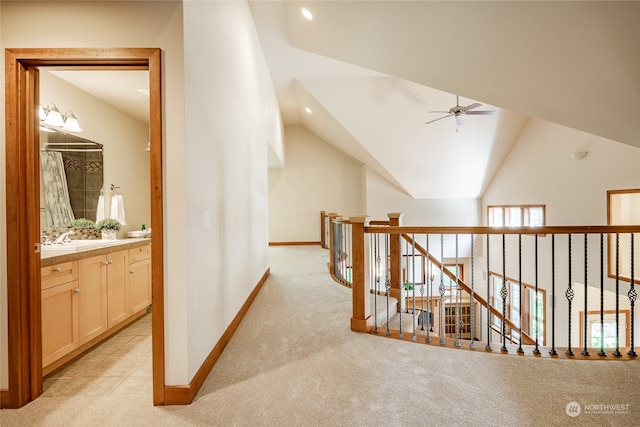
[(78, 245)]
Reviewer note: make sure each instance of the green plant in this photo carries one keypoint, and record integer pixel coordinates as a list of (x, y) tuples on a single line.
[(82, 222), (108, 224)]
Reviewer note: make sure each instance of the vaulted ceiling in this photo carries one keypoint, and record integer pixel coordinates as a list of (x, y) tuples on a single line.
[(370, 72)]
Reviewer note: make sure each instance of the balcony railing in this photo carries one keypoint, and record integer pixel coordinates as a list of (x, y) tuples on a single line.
[(559, 291)]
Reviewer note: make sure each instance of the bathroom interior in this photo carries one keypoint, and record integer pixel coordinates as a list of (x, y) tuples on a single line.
[(108, 157)]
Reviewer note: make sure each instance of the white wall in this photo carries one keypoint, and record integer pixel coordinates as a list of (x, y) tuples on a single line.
[(125, 159), (316, 178), (231, 117), (383, 198), (122, 24), (539, 170)]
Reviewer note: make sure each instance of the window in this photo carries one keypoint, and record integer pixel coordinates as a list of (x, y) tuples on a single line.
[(623, 208), (605, 332), (530, 314), (448, 283), (516, 216)]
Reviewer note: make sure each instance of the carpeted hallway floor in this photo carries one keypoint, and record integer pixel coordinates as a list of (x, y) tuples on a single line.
[(294, 362)]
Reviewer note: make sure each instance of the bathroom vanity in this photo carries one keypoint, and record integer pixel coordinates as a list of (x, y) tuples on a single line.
[(90, 290)]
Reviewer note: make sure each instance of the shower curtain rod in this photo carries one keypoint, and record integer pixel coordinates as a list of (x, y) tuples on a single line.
[(66, 150)]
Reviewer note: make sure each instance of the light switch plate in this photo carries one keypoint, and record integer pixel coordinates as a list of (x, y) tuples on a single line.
[(206, 219)]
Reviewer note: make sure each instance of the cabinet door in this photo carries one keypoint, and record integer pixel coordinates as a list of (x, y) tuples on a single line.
[(92, 304), (60, 332), (140, 285), (117, 287)]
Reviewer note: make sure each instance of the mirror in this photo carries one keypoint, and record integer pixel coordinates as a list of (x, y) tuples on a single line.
[(112, 108), (71, 177)]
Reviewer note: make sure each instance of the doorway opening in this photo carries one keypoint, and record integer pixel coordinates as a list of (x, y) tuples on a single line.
[(23, 205)]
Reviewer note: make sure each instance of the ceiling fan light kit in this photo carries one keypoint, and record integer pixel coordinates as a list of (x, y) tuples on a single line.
[(460, 111)]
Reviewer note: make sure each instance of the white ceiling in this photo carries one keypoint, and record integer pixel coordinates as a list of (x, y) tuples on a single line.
[(378, 118), (120, 89)]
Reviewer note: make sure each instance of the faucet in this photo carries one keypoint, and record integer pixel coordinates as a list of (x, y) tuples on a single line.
[(64, 237)]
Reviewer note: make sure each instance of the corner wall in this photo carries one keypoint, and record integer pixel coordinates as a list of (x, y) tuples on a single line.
[(316, 178)]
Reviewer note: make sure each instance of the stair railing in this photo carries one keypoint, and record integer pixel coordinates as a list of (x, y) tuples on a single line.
[(462, 286), (564, 260)]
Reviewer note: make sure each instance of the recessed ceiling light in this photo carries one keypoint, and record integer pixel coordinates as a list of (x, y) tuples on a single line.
[(307, 109), (307, 14)]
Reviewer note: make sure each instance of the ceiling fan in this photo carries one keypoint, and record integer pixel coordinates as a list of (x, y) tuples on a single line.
[(460, 111)]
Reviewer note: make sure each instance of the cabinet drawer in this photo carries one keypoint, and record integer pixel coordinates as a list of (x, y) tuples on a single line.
[(139, 254), (58, 274)]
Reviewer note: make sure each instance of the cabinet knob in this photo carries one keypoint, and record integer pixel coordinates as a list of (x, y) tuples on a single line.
[(131, 271), (77, 290), (110, 261), (57, 270), (105, 263)]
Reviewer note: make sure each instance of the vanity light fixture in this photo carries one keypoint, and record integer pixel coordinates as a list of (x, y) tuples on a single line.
[(42, 113), (71, 122), (51, 116), (307, 14)]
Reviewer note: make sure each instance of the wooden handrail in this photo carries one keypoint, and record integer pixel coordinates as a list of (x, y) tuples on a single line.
[(526, 338), (573, 229)]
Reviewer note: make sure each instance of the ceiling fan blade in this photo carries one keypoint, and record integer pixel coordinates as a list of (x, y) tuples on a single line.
[(481, 113), (439, 118), (441, 112), (472, 106)]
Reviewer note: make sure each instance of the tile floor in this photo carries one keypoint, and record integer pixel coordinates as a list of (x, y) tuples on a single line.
[(119, 366)]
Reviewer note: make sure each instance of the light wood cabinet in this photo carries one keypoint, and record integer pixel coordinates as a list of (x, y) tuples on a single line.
[(86, 300), (60, 332), (92, 281), (118, 308), (139, 278)]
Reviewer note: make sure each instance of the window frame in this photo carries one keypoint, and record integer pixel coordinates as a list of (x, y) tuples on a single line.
[(524, 214), (625, 273), (593, 317)]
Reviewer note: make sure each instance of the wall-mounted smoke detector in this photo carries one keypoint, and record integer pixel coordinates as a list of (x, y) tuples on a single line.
[(578, 155)]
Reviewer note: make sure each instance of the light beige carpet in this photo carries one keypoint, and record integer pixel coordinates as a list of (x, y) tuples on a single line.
[(294, 362)]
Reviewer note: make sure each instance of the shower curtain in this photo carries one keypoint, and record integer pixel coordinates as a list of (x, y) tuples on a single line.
[(56, 193)]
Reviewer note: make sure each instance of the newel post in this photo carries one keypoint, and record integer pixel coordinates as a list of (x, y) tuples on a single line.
[(361, 319), (395, 255)]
